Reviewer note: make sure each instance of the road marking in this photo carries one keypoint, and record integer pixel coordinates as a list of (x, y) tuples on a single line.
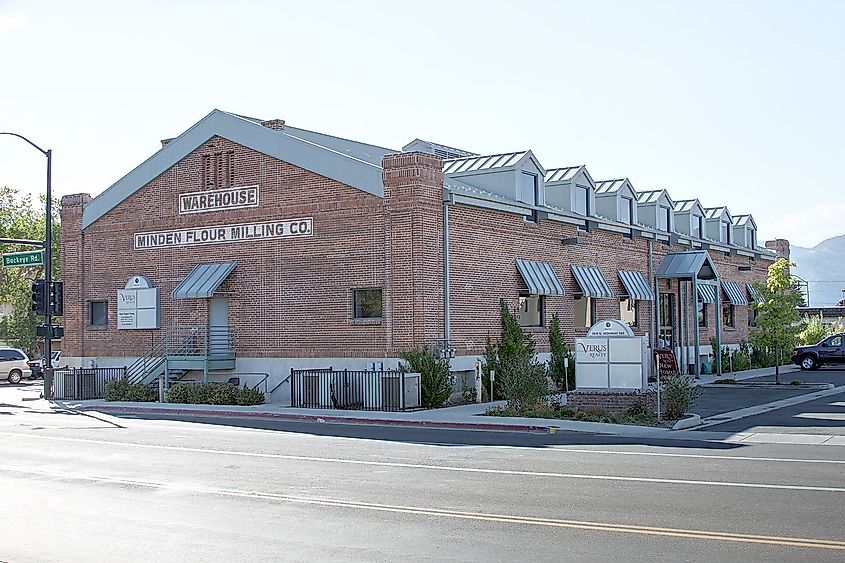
[(423, 511), (459, 469)]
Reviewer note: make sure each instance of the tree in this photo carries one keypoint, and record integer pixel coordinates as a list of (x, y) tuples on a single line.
[(777, 315), (20, 218), (560, 352), (434, 376), (513, 344)]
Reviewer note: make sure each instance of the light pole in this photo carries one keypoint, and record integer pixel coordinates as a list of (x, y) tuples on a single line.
[(48, 267)]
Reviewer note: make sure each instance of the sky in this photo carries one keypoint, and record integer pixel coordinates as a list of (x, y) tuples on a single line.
[(737, 103)]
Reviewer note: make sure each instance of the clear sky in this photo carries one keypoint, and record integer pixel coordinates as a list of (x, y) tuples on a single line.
[(738, 103)]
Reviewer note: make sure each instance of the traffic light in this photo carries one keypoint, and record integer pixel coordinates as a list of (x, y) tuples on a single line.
[(39, 297), (56, 295)]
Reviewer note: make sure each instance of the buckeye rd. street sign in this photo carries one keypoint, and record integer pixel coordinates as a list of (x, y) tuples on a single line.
[(31, 258)]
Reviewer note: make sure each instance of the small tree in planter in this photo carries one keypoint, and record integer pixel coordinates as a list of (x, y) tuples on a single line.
[(777, 316), (434, 376), (560, 352), (514, 343), (524, 382)]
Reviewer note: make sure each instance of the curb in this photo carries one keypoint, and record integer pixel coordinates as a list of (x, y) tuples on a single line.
[(690, 420), (783, 386), (327, 419), (731, 416)]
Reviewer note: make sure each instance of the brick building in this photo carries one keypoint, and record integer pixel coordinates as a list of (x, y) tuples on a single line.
[(291, 248)]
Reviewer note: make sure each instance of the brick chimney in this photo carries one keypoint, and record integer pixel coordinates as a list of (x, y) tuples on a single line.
[(72, 257), (780, 246)]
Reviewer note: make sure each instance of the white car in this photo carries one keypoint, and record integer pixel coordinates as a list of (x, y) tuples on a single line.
[(14, 365)]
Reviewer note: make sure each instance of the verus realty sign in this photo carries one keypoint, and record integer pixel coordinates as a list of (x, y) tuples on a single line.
[(218, 200), (226, 233)]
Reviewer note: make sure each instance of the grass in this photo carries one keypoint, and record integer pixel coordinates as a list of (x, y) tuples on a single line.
[(726, 381), (635, 415), (795, 382)]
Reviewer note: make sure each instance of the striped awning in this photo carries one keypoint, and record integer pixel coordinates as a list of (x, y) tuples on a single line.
[(591, 281), (636, 286), (756, 296), (539, 277), (706, 293), (734, 294), (203, 281)]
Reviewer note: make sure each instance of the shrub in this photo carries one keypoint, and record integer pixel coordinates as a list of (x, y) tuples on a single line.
[(795, 382), (122, 390), (434, 376), (813, 332), (523, 382), (213, 394), (678, 396), (560, 352), (726, 381)]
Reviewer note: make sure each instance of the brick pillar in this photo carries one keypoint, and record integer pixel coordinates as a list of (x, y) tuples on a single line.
[(780, 246), (413, 296), (73, 271)]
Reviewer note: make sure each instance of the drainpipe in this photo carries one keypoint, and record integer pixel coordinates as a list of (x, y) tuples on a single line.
[(653, 282), (446, 317)]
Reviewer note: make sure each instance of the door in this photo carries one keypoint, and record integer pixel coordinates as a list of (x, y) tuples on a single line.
[(830, 351), (218, 327), (666, 332)]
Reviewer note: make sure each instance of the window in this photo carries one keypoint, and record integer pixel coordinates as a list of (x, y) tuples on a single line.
[(834, 342), (702, 314), (667, 320), (585, 311), (752, 235), (695, 226), (98, 313), (628, 311), (9, 355), (531, 310), (582, 201), (728, 314), (664, 219), (626, 211), (529, 193), (725, 235), (366, 303)]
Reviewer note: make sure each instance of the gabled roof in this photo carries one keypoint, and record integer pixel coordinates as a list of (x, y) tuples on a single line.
[(504, 161), (716, 212), (363, 151), (305, 153), (743, 220), (688, 205), (610, 186), (686, 265), (653, 196), (566, 174)]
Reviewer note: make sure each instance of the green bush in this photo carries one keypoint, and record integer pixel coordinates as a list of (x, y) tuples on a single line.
[(637, 414), (523, 382), (795, 382), (560, 352), (213, 394), (678, 396), (122, 390), (434, 376), (813, 332), (725, 381)]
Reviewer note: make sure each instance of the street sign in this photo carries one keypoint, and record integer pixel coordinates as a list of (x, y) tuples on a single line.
[(31, 258)]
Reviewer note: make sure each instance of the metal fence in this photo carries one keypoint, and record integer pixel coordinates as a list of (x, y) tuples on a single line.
[(84, 383), (390, 390)]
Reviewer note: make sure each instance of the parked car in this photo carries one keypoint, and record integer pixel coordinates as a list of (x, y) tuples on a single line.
[(831, 350), (14, 365), (37, 366)]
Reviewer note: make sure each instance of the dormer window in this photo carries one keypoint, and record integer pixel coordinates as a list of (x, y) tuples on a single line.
[(696, 226), (627, 211), (529, 193), (582, 198), (701, 227), (752, 235), (725, 235), (664, 219)]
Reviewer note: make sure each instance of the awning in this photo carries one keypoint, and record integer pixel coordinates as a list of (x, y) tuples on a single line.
[(706, 293), (539, 277), (592, 282), (756, 296), (203, 281), (686, 265), (734, 294), (636, 286)]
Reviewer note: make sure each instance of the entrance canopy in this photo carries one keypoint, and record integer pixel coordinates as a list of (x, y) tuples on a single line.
[(686, 266), (203, 281)]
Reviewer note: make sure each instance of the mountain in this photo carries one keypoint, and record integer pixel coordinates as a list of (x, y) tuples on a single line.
[(823, 267)]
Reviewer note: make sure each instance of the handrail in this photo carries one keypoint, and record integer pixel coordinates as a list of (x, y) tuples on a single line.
[(281, 383)]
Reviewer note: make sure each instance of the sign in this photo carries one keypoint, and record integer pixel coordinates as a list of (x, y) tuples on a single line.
[(666, 361), (225, 233), (591, 350), (610, 328), (137, 305), (30, 258), (218, 200)]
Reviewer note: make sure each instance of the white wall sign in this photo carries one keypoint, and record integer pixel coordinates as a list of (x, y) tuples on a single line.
[(226, 233), (137, 305), (218, 200), (610, 327)]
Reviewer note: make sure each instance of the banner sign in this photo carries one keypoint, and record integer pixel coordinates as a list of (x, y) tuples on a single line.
[(218, 200), (226, 233)]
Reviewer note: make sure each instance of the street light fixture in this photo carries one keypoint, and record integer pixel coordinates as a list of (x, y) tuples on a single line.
[(48, 266)]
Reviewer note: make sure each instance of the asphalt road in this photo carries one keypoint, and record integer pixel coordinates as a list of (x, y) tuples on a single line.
[(87, 487)]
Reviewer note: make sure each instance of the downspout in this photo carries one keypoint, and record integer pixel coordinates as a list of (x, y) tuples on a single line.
[(446, 317), (653, 282)]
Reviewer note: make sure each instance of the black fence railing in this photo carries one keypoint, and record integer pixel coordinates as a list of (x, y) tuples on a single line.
[(84, 383), (353, 390)]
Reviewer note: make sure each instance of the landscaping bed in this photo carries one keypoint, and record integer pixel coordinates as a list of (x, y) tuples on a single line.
[(634, 416)]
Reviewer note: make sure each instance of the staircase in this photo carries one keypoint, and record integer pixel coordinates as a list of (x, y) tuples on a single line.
[(183, 349)]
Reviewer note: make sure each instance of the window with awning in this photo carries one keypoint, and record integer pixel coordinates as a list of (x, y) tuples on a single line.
[(735, 296), (592, 282), (539, 277), (706, 293), (636, 286)]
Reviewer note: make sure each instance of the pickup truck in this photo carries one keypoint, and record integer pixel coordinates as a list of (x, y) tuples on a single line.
[(37, 366), (829, 351)]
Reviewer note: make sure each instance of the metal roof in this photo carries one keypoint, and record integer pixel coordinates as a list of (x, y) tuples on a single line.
[(363, 151), (742, 220), (436, 149), (756, 296), (539, 277), (562, 174), (609, 186), (716, 212), (734, 294), (203, 281), (476, 163), (636, 286), (652, 196), (706, 293), (687, 205), (687, 265), (591, 281)]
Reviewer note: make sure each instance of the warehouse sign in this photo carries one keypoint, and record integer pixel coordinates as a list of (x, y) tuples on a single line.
[(218, 200), (226, 233)]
